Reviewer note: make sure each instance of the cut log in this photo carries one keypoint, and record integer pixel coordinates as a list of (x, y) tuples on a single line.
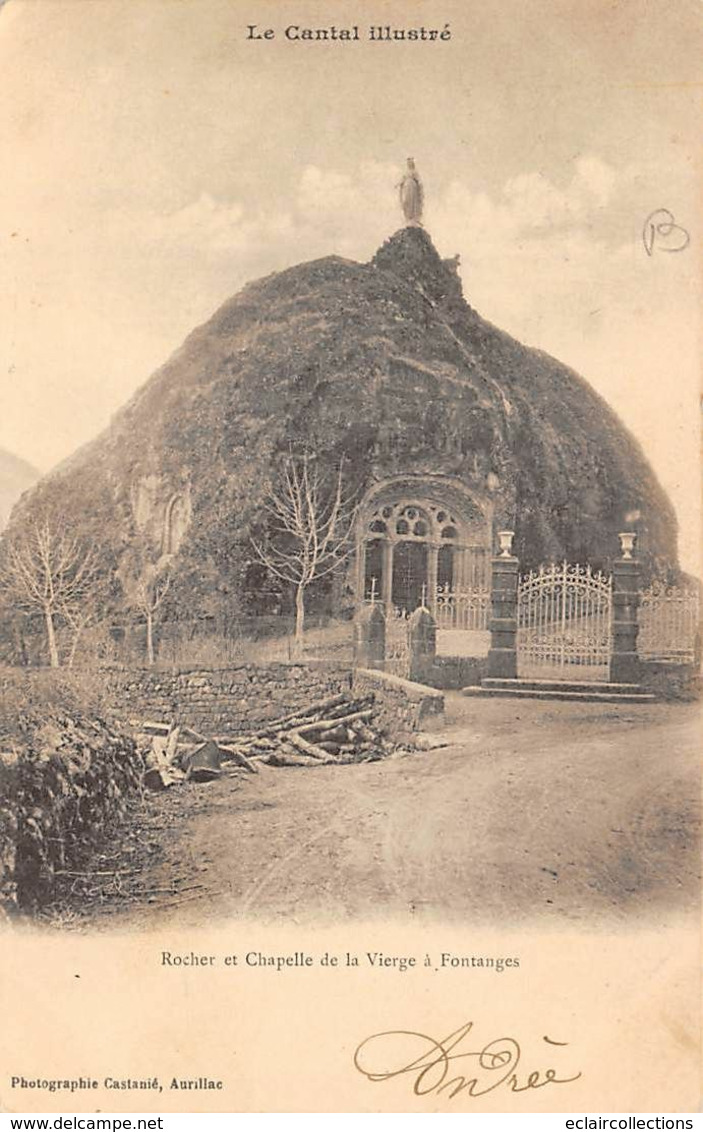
[(149, 727), (306, 748), (289, 721), (337, 729), (172, 744), (305, 713), (330, 724), (278, 758), (354, 705), (189, 733), (315, 734), (156, 755), (326, 712)]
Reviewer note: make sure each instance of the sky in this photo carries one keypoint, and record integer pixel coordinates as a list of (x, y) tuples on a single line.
[(154, 159)]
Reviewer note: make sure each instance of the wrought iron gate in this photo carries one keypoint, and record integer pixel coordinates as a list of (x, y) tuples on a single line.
[(669, 623), (466, 609), (564, 623)]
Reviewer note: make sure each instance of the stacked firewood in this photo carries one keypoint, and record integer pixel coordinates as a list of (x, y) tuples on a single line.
[(67, 783), (337, 730)]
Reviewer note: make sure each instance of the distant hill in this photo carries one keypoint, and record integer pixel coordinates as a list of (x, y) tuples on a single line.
[(16, 476)]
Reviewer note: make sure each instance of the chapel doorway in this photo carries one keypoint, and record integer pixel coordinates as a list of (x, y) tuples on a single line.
[(409, 590)]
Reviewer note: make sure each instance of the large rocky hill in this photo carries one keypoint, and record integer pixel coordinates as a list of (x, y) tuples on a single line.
[(384, 363)]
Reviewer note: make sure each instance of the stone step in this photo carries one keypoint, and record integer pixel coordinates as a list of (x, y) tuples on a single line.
[(561, 685), (555, 694)]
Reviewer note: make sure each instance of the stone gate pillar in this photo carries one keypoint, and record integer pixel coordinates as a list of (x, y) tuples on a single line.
[(422, 630), (624, 662), (502, 655), (370, 636)]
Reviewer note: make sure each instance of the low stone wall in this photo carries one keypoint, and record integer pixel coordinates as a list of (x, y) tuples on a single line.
[(452, 672), (242, 698), (63, 786), (403, 705), (669, 681), (235, 700)]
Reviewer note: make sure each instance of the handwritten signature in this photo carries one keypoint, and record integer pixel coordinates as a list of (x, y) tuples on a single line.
[(661, 233), (430, 1063)]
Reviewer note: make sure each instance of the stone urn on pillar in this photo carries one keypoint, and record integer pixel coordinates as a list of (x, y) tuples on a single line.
[(502, 655), (505, 543), (624, 662)]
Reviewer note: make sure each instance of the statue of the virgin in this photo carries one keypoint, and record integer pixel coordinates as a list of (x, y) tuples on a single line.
[(411, 195)]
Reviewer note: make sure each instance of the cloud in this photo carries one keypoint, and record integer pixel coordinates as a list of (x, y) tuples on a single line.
[(597, 177), (530, 207), (347, 212)]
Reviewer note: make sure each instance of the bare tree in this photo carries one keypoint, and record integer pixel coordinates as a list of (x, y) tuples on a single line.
[(311, 523), (47, 569), (146, 592), (78, 618)]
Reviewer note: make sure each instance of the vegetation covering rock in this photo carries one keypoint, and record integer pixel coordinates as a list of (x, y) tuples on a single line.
[(381, 367), (65, 782)]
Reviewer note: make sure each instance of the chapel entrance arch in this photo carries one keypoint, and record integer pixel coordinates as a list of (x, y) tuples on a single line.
[(425, 542)]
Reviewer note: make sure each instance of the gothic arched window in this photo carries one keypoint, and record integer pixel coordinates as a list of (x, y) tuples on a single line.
[(409, 550), (175, 523), (427, 522), (422, 550)]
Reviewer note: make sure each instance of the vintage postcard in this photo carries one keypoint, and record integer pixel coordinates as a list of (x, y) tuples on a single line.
[(350, 556)]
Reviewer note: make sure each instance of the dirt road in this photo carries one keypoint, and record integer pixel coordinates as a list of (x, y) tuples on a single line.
[(568, 812)]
